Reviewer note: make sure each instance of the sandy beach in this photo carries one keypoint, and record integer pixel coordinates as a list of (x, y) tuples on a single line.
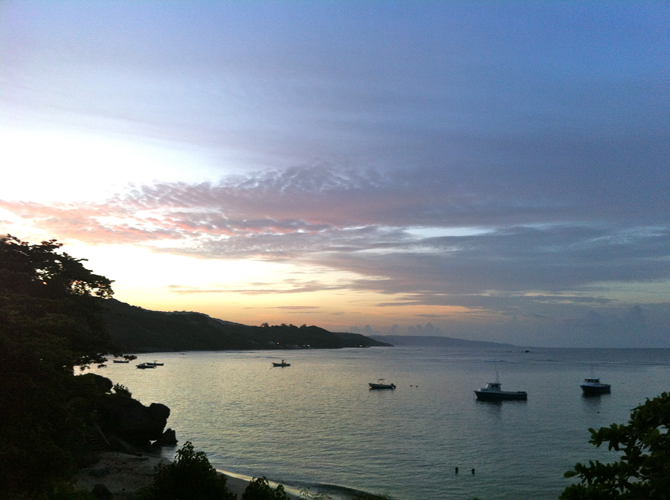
[(125, 474)]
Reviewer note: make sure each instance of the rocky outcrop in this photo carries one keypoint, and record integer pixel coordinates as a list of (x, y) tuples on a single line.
[(129, 420), (119, 419), (169, 438)]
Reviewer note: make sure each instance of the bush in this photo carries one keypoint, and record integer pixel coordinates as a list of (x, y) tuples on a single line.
[(190, 476), (643, 471), (122, 390), (260, 489)]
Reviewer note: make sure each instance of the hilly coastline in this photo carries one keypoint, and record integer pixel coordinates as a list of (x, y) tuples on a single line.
[(134, 330)]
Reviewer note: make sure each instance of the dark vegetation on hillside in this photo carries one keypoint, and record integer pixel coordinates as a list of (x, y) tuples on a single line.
[(50, 322), (134, 329)]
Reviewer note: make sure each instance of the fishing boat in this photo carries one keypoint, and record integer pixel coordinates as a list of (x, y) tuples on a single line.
[(381, 385), (144, 366), (493, 392), (593, 387), (121, 361), (282, 364)]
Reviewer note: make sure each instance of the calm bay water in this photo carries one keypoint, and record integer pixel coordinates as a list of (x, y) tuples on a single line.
[(316, 422)]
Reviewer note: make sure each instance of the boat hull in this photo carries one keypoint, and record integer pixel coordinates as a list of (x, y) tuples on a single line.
[(501, 395), (381, 386), (281, 365), (593, 390)]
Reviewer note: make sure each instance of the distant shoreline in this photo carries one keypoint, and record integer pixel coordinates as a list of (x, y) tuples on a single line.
[(435, 341)]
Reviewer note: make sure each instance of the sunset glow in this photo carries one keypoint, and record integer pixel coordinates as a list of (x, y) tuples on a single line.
[(482, 171)]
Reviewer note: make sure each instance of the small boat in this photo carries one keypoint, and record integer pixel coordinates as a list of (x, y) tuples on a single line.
[(144, 366), (121, 361), (593, 387), (282, 364), (381, 385), (493, 392), (156, 363)]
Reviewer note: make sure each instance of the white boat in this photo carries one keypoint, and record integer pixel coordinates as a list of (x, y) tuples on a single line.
[(381, 385), (593, 387)]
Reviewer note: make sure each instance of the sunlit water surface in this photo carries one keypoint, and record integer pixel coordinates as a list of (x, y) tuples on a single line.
[(316, 423)]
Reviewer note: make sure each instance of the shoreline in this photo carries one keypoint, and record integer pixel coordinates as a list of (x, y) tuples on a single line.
[(237, 483), (124, 474)]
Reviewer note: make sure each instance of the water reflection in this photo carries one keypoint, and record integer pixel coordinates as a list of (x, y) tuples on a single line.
[(592, 401), (318, 421)]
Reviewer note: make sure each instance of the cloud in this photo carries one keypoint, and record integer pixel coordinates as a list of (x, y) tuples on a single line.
[(287, 286), (297, 308), (370, 223), (508, 163)]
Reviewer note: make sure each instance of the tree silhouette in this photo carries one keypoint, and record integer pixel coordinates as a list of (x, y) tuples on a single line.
[(643, 471), (50, 322)]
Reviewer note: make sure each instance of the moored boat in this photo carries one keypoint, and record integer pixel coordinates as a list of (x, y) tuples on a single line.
[(282, 364), (593, 387), (144, 366), (494, 392), (381, 385), (121, 361)]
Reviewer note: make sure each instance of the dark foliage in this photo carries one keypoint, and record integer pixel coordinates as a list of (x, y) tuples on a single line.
[(189, 476), (50, 322), (260, 489), (643, 470)]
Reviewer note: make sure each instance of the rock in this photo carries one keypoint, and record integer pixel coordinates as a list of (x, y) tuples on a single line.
[(158, 412), (133, 422), (169, 438), (93, 383)]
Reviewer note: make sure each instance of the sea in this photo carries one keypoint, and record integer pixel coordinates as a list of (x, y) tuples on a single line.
[(317, 426)]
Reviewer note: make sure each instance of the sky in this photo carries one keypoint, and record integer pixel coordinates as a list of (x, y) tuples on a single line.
[(487, 170)]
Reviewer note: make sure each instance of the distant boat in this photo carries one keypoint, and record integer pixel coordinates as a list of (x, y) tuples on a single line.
[(282, 364), (381, 385), (593, 387), (156, 363), (144, 366), (493, 392), (121, 361)]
